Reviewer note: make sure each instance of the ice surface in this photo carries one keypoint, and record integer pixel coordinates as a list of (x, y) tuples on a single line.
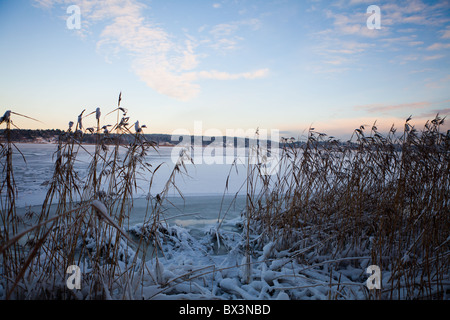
[(32, 177), (202, 190)]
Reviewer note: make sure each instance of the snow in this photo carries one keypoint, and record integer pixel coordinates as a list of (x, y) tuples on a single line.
[(100, 207), (190, 267), (199, 258)]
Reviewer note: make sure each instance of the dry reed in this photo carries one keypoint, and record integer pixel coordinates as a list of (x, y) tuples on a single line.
[(375, 199)]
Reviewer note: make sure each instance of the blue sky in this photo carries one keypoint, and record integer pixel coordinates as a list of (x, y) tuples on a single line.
[(232, 64)]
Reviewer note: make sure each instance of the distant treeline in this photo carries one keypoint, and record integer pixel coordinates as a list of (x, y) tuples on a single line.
[(52, 136), (27, 135)]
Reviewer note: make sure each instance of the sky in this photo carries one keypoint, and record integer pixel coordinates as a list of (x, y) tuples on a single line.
[(284, 65)]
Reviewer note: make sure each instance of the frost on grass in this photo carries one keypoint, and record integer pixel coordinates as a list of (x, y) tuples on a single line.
[(309, 232), (190, 267)]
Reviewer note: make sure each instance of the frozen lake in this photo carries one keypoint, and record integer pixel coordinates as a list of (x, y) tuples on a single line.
[(202, 190)]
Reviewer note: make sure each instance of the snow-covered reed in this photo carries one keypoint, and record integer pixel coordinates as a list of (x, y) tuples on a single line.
[(81, 222), (382, 198), (308, 232)]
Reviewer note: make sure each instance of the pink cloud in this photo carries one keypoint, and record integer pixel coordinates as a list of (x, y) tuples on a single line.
[(376, 108)]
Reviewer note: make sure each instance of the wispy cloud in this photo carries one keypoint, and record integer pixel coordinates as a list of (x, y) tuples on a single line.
[(347, 39), (350, 47), (438, 46), (218, 75), (438, 84), (410, 40), (445, 112), (415, 12), (351, 24), (446, 34), (433, 57), (44, 3), (164, 63), (421, 70), (360, 2), (383, 108), (225, 37), (422, 110), (415, 58)]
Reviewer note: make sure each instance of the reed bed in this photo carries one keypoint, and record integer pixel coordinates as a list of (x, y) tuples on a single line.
[(83, 219), (373, 200)]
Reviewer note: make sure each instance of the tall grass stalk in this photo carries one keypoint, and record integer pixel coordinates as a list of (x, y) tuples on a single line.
[(82, 219), (382, 195)]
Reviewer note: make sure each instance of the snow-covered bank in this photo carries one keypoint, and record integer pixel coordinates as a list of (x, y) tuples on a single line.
[(212, 266)]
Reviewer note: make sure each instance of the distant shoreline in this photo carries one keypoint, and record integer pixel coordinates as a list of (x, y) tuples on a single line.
[(84, 143), (51, 136)]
